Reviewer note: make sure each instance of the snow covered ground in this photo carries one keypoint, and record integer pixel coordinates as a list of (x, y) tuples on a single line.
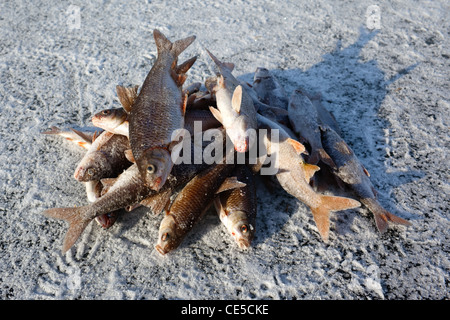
[(387, 86)]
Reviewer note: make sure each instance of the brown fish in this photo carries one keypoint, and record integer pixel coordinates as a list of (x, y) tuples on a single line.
[(350, 170), (237, 208), (190, 204), (158, 111), (294, 175)]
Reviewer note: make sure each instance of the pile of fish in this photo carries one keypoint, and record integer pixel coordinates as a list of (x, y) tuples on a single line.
[(129, 160)]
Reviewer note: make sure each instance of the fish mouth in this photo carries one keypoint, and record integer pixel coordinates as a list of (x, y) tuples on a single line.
[(160, 249), (241, 146)]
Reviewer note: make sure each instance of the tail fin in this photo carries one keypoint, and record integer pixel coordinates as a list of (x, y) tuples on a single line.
[(77, 223), (321, 213), (164, 45), (185, 66), (382, 216)]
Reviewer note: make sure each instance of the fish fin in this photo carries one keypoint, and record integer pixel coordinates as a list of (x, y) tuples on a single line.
[(162, 43), (180, 45), (299, 148), (129, 155), (366, 171), (310, 170), (236, 100), (382, 216), (227, 65), (158, 202), (77, 223), (178, 78), (184, 103), (321, 213), (323, 155), (52, 130), (84, 136), (230, 183), (127, 96), (185, 66), (216, 113)]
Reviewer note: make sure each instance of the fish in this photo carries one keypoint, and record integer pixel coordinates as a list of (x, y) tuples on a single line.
[(235, 109), (114, 120), (326, 118), (237, 207), (158, 111), (127, 190), (294, 175), (350, 170), (304, 120), (105, 158), (190, 204), (269, 90), (82, 139)]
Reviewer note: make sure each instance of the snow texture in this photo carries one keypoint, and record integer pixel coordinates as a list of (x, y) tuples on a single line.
[(386, 80)]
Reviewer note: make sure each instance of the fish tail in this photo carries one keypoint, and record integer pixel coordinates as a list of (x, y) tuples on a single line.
[(321, 213), (77, 223), (165, 45), (382, 216)]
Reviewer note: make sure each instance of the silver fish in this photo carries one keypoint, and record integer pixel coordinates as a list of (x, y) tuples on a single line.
[(269, 89), (158, 111), (350, 170), (235, 109), (294, 175)]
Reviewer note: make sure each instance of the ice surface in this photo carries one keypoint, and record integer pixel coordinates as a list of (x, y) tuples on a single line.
[(389, 89)]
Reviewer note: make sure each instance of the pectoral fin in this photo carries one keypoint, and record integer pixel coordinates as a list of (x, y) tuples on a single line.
[(237, 99), (127, 96), (216, 113)]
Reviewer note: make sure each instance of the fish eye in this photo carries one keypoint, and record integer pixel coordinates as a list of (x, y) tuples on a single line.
[(106, 112), (151, 169), (90, 171), (244, 228), (165, 236)]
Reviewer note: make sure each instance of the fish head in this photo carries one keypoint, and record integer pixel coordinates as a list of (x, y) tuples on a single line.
[(107, 220), (94, 166), (240, 134), (242, 230), (155, 165), (109, 118), (167, 236)]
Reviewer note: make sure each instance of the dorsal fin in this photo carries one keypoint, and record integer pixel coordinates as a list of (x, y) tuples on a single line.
[(216, 113), (237, 99), (127, 96), (310, 170), (129, 155), (178, 78)]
